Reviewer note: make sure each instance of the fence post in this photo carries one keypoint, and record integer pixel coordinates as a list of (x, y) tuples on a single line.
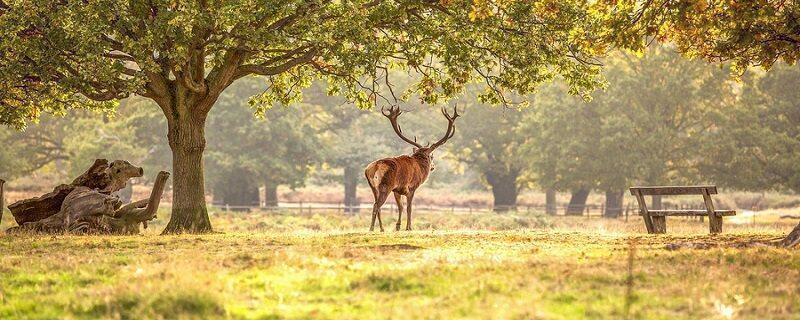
[(2, 200), (703, 218), (627, 211), (301, 207)]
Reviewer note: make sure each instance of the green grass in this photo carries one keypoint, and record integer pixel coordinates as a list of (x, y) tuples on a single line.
[(325, 266)]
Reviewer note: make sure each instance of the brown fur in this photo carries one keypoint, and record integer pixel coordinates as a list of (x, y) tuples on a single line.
[(400, 175)]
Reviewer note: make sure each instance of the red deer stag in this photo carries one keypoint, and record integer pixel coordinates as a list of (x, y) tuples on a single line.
[(404, 174)]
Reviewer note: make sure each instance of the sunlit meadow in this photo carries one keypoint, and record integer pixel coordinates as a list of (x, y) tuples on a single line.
[(275, 265)]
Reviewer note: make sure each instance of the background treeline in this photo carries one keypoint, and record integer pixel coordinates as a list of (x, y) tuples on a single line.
[(662, 119)]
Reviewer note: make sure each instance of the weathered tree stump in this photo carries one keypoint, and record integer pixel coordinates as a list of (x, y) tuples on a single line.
[(88, 205), (793, 239), (104, 177)]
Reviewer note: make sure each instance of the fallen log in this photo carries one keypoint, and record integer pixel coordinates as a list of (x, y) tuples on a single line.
[(103, 176), (91, 211)]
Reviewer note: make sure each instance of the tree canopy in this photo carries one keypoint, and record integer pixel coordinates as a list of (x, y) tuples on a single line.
[(60, 55), (744, 32), (89, 54)]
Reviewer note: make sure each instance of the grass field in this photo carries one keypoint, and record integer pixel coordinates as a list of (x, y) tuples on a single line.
[(512, 266)]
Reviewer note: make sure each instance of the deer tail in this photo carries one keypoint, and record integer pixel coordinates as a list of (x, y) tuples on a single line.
[(374, 175)]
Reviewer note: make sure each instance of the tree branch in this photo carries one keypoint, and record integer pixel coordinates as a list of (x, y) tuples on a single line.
[(271, 70)]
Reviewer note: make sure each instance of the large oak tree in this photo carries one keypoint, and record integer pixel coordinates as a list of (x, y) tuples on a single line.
[(59, 54)]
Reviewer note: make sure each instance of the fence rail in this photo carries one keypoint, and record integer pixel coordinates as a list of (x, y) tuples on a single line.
[(310, 207), (589, 210)]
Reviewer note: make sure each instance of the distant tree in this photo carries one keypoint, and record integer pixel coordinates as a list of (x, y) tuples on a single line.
[(763, 150), (637, 131), (561, 140), (58, 55), (24, 152), (150, 132), (93, 138), (279, 149), (758, 138), (352, 144), (346, 147), (670, 128), (488, 142)]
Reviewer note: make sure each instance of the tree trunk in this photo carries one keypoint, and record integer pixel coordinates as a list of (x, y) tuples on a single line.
[(235, 188), (550, 202), (187, 141), (504, 190), (270, 194), (577, 202), (350, 177), (613, 205), (656, 205)]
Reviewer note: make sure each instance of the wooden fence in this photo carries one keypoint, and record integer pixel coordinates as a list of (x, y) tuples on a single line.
[(589, 210), (310, 207)]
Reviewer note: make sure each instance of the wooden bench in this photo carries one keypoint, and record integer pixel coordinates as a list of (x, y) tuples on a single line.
[(656, 220)]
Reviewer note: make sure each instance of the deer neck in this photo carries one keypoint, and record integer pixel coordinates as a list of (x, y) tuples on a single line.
[(424, 162)]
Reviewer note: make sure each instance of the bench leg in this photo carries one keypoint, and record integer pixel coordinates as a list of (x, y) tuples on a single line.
[(714, 224), (659, 224)]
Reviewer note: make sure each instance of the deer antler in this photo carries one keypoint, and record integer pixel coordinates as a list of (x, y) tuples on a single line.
[(451, 127), (392, 114)]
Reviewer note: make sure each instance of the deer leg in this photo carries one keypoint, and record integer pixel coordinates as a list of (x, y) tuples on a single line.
[(372, 225), (409, 198), (399, 198), (376, 209)]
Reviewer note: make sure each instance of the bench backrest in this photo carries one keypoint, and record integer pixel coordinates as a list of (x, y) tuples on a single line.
[(673, 190)]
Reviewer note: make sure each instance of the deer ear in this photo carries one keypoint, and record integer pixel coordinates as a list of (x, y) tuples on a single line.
[(414, 150)]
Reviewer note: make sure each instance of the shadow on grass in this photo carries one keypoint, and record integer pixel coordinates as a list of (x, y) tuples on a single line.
[(178, 305)]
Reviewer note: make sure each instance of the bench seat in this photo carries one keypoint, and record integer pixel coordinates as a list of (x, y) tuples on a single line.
[(656, 220), (689, 213)]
